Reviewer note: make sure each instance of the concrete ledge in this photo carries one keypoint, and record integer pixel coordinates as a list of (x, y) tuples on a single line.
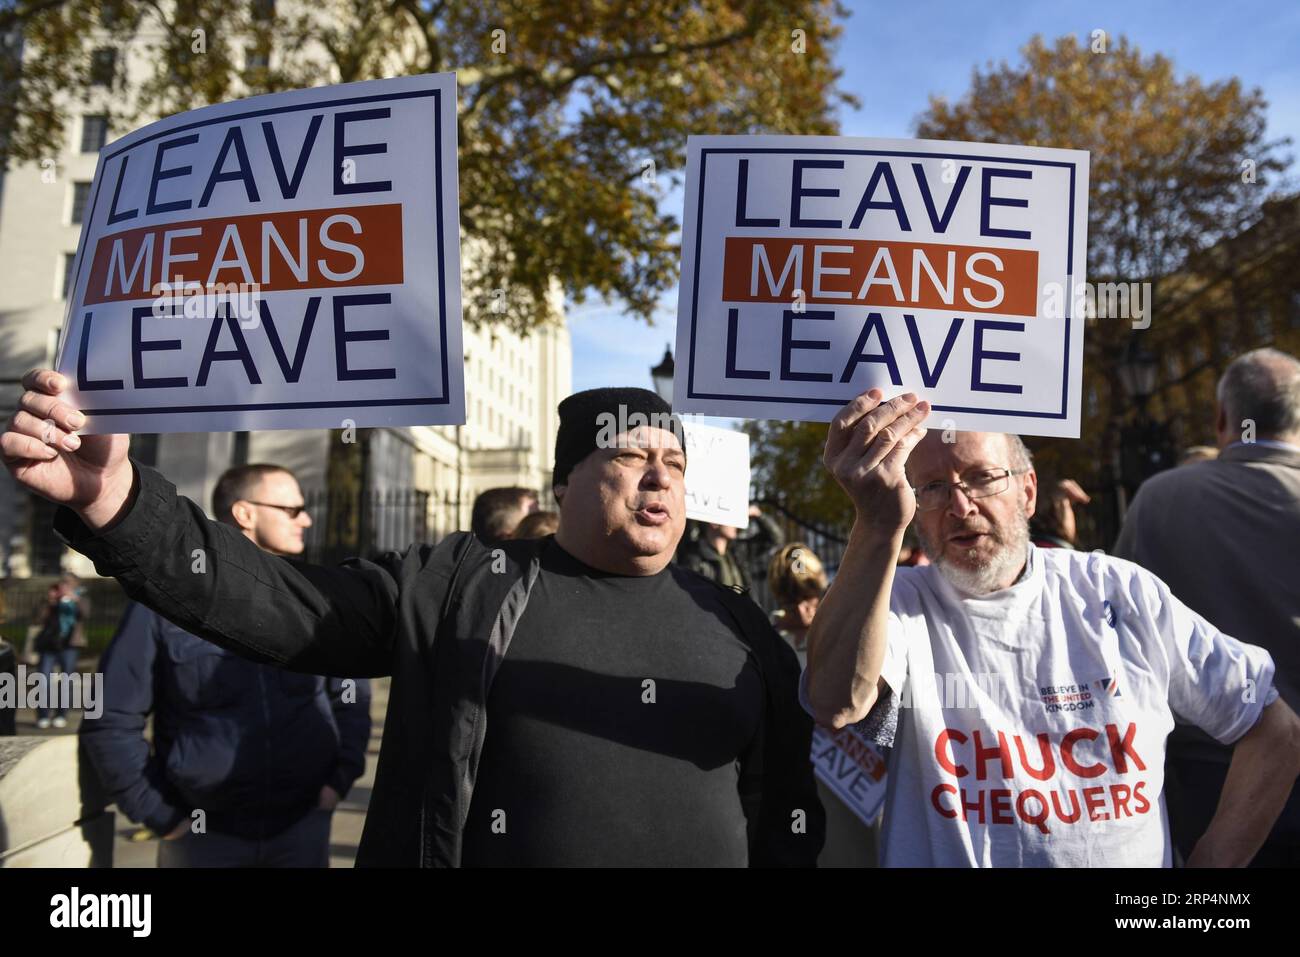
[(41, 821)]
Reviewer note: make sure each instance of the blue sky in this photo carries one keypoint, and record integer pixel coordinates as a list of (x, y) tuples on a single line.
[(895, 55)]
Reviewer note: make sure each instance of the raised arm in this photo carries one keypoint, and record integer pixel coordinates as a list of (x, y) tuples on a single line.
[(867, 446), (200, 574)]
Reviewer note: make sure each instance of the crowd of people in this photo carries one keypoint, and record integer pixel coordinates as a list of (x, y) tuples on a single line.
[(593, 686)]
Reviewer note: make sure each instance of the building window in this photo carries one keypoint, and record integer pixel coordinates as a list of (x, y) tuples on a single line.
[(69, 259), (94, 133), (80, 193), (256, 59), (263, 10), (103, 64)]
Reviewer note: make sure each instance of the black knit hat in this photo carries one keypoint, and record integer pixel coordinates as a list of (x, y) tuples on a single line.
[(585, 416)]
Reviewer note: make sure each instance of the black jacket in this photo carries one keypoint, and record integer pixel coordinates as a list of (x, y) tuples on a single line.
[(752, 548), (702, 558), (439, 620), (249, 744)]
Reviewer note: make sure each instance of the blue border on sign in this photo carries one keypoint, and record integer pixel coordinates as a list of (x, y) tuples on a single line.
[(804, 400), (438, 219)]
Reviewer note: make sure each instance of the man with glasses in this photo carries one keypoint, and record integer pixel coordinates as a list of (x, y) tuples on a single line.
[(1027, 693), (264, 754)]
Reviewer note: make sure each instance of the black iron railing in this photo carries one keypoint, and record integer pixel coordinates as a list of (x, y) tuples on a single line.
[(371, 523)]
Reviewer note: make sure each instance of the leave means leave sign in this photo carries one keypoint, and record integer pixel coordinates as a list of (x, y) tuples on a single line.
[(286, 261), (814, 268)]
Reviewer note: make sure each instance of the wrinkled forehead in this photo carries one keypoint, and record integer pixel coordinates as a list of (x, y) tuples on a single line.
[(648, 437), (933, 458)]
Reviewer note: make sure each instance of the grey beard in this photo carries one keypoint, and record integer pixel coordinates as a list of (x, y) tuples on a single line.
[(987, 578)]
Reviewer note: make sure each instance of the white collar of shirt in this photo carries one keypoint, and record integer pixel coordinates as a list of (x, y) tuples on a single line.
[(1005, 602)]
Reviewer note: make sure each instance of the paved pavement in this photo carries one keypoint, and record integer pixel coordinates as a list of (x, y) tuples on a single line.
[(345, 833)]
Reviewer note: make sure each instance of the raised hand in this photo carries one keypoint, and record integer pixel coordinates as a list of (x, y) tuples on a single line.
[(90, 474), (867, 446), (1065, 495)]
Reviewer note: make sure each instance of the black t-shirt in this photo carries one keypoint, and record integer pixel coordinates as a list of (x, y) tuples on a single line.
[(617, 726)]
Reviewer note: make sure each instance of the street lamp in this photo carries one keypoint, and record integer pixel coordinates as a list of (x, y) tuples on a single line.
[(1137, 373), (662, 376), (1146, 446)]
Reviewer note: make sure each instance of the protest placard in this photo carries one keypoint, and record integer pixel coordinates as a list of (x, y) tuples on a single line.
[(717, 474), (814, 268), (285, 261), (853, 767)]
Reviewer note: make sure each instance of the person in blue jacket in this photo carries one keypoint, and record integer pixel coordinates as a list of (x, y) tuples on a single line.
[(248, 761)]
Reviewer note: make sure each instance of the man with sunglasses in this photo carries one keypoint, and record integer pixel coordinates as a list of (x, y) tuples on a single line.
[(265, 754), (1026, 693)]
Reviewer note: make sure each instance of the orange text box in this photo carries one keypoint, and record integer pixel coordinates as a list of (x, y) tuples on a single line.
[(304, 249), (866, 273)]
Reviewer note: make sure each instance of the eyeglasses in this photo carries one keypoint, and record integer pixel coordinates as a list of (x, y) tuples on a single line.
[(293, 511), (982, 484)]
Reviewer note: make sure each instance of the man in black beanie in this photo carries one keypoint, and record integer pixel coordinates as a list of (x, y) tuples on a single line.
[(611, 437), (574, 700)]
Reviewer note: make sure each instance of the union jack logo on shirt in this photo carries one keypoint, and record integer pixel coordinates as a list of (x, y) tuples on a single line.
[(1108, 686)]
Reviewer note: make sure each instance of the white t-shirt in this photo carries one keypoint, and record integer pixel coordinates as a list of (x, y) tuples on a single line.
[(1028, 726)]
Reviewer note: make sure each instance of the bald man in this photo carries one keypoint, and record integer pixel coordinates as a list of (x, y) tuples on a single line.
[(1222, 533), (1026, 693)]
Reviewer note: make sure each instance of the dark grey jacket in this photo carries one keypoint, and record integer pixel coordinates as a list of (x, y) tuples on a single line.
[(1223, 535)]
